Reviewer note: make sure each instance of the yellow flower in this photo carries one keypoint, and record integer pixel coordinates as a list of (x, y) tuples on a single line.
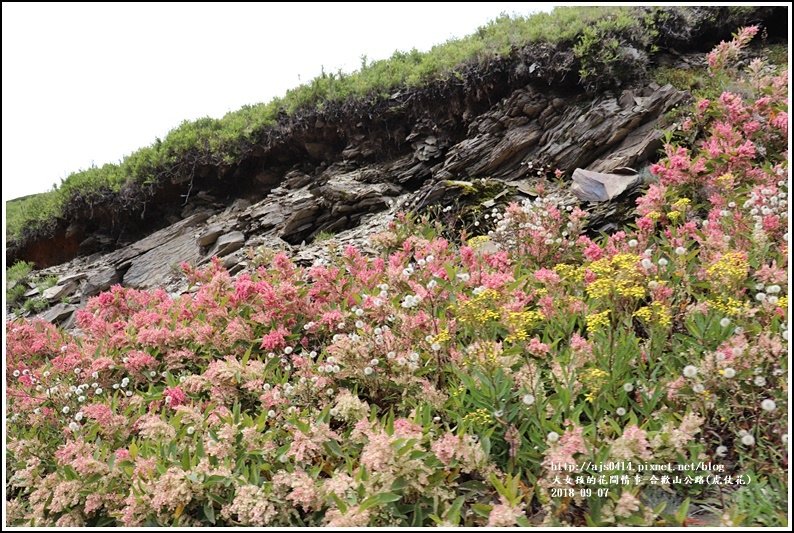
[(644, 313), (600, 288), (443, 336), (476, 242), (478, 416), (728, 306), (521, 323), (593, 380), (630, 291), (564, 270), (730, 270), (598, 321), (479, 309), (617, 275), (653, 215), (656, 313)]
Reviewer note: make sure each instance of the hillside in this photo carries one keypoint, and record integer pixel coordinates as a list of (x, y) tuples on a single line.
[(535, 277), (358, 119)]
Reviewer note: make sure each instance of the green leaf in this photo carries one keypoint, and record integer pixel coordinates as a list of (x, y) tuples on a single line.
[(453, 513), (334, 449), (680, 514), (379, 499), (482, 509), (209, 512)]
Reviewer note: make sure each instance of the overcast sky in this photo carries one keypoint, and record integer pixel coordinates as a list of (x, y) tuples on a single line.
[(88, 83)]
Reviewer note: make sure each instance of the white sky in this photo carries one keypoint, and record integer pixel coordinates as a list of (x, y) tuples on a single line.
[(88, 83)]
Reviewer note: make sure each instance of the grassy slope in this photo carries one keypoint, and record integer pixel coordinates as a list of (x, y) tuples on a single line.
[(223, 140), (596, 36)]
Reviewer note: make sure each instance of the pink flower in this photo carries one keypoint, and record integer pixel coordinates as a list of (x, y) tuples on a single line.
[(99, 412), (781, 122), (562, 452), (122, 454), (544, 275), (633, 444), (504, 514), (138, 361), (177, 396), (275, 339), (537, 348)]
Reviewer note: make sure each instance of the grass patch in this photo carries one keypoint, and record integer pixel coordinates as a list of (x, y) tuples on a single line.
[(225, 140), (610, 45)]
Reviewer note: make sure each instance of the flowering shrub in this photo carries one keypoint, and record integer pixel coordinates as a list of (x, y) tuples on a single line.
[(435, 383)]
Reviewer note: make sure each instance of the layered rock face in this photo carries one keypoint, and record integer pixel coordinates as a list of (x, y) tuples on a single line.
[(464, 144), (513, 143)]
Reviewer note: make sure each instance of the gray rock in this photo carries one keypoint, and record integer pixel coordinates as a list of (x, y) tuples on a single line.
[(72, 277), (209, 235), (101, 280), (56, 292), (592, 186), (156, 239), (566, 135), (31, 293), (228, 243), (160, 265), (58, 313), (241, 204)]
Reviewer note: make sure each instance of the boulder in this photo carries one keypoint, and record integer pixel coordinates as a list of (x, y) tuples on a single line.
[(58, 313), (228, 243), (590, 186), (209, 235), (160, 265), (101, 280), (56, 292)]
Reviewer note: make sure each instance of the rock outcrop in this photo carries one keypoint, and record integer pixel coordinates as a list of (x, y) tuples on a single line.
[(465, 144), (510, 146)]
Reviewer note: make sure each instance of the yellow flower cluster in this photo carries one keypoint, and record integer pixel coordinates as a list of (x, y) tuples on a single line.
[(479, 309), (598, 321), (618, 275), (478, 416), (521, 323), (730, 270), (728, 306), (653, 215), (679, 208), (476, 242), (783, 302), (656, 312), (443, 336), (566, 271), (725, 179), (593, 379)]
